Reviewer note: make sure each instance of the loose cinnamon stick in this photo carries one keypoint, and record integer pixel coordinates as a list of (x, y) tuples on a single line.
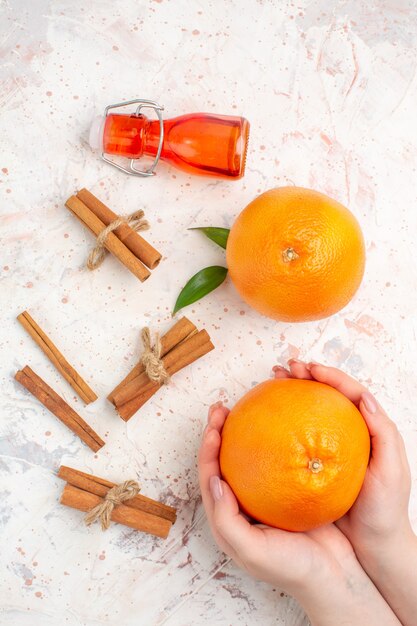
[(100, 487), (138, 391), (181, 330), (57, 405), (127, 515), (132, 240), (64, 368), (112, 243)]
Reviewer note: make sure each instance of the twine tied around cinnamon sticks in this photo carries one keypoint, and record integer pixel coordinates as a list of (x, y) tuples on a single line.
[(136, 222), (151, 358), (116, 495), (180, 346)]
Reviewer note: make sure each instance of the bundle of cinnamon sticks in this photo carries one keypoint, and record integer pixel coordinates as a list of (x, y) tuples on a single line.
[(182, 345), (124, 243), (85, 491)]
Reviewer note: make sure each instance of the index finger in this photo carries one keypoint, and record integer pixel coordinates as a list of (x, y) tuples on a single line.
[(334, 377)]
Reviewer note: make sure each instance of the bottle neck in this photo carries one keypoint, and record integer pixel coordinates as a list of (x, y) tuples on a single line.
[(125, 135)]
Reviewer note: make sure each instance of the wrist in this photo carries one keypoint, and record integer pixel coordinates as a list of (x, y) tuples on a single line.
[(324, 594), (346, 596), (385, 552), (393, 570)]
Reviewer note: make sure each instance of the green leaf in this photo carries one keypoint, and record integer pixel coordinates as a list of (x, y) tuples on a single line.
[(200, 285), (218, 235)]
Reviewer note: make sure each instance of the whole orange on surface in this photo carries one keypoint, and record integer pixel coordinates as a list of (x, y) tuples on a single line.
[(295, 453), (295, 254)]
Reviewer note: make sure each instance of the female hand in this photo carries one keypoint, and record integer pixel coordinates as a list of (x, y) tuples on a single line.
[(318, 567), (377, 525)]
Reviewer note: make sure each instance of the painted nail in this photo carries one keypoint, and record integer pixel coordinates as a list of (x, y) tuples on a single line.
[(369, 401), (214, 406), (216, 487)]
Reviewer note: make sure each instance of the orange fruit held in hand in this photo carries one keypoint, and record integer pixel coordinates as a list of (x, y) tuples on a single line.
[(296, 255), (295, 453)]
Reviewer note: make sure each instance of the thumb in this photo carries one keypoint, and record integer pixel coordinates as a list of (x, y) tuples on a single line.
[(228, 520)]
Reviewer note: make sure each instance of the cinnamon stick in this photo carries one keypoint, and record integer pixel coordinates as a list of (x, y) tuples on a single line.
[(131, 239), (54, 355), (127, 410), (112, 243), (175, 360), (100, 487), (181, 330), (127, 515), (57, 405), (138, 391)]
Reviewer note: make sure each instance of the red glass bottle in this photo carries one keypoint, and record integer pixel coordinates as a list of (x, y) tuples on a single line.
[(197, 143)]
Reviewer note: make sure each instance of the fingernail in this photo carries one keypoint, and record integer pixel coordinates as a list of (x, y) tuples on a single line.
[(290, 361), (311, 364), (369, 401), (279, 368), (216, 487), (214, 406)]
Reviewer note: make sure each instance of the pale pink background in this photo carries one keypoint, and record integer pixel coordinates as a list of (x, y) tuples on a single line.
[(330, 90)]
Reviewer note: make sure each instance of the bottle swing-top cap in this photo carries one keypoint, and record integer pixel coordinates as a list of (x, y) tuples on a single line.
[(98, 138), (198, 143)]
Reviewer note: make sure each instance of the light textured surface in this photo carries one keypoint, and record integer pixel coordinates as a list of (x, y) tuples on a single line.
[(330, 90)]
